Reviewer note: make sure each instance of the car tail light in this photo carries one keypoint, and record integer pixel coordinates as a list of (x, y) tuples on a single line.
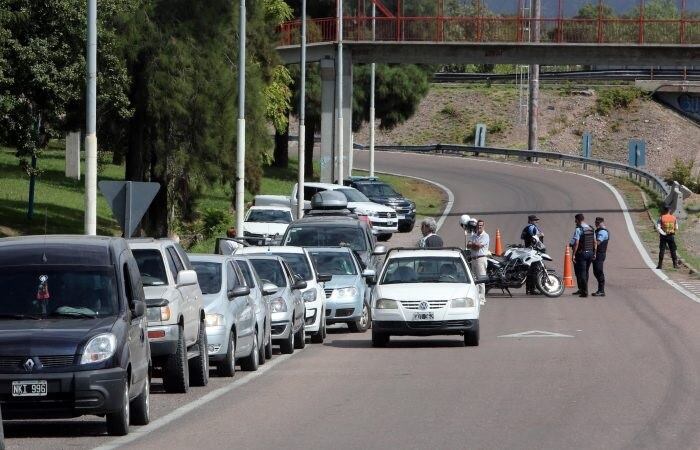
[(156, 334)]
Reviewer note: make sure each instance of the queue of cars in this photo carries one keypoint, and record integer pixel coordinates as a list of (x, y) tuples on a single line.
[(85, 322)]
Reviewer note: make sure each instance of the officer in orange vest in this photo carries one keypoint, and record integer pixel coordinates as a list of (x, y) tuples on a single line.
[(666, 226)]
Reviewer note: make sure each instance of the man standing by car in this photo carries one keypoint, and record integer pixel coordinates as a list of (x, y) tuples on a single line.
[(602, 237), (479, 245), (583, 244), (429, 240), (528, 235), (666, 226)]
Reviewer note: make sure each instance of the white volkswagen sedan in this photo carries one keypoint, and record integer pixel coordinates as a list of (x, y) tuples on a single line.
[(424, 292)]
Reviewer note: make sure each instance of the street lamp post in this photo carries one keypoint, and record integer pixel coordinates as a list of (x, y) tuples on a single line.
[(240, 150), (302, 115), (371, 99), (91, 123), (339, 93)]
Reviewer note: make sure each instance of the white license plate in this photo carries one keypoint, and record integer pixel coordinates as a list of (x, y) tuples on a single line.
[(35, 388), (401, 217), (423, 316)]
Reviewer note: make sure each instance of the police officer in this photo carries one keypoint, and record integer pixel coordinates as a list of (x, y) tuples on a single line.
[(583, 253), (528, 235), (602, 237), (666, 226)]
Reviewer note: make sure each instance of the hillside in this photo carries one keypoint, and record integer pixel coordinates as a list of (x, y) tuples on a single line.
[(449, 113)]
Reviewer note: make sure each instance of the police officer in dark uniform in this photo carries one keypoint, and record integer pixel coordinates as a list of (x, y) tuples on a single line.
[(528, 235), (602, 237), (583, 244)]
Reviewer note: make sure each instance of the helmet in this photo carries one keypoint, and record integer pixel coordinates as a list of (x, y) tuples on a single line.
[(463, 220)]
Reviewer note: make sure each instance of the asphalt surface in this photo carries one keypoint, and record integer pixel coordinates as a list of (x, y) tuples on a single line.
[(620, 372)]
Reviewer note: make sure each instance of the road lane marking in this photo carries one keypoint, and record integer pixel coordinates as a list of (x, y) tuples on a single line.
[(536, 334), (189, 407)]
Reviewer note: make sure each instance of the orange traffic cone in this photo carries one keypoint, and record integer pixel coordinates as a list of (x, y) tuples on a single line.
[(499, 246), (568, 269)]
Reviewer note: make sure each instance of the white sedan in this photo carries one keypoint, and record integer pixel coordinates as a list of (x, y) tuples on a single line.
[(423, 292), (262, 224)]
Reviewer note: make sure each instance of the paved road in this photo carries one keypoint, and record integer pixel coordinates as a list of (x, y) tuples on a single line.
[(626, 378)]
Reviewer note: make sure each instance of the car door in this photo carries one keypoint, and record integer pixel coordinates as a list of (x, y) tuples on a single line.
[(298, 302), (260, 302), (242, 309), (139, 348), (189, 294)]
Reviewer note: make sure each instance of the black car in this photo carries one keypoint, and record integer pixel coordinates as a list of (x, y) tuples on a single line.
[(380, 192), (73, 331)]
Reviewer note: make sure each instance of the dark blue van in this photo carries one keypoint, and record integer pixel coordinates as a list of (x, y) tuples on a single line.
[(73, 336)]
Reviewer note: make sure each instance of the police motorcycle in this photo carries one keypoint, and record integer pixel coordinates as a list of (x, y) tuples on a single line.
[(510, 271)]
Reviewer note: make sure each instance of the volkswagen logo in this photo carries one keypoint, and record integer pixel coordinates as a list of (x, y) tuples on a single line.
[(28, 365), (423, 305)]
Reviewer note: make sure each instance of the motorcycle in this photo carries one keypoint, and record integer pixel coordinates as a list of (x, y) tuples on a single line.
[(512, 269)]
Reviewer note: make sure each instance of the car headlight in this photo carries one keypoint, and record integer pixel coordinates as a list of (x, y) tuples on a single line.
[(278, 305), (347, 292), (158, 314), (99, 348), (462, 303), (214, 320), (309, 296), (385, 303)]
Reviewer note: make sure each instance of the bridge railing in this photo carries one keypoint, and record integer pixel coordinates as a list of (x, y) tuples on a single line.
[(512, 29), (603, 166)]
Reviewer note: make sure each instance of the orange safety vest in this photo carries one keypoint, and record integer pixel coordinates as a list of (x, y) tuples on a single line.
[(668, 223)]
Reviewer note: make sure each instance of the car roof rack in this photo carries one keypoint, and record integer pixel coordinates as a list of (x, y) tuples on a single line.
[(362, 178)]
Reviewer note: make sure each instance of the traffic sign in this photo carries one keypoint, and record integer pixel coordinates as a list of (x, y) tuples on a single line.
[(129, 201)]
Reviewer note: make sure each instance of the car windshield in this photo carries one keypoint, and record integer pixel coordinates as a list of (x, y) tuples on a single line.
[(151, 267), (327, 236), (377, 190), (425, 269), (353, 195), (57, 291), (270, 270), (299, 264), (334, 263), (209, 276), (269, 216)]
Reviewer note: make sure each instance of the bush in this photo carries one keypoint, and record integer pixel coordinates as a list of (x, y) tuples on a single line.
[(682, 172), (449, 111), (616, 98), (216, 221)]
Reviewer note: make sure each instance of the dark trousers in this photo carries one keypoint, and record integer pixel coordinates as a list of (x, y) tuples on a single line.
[(598, 263), (670, 241), (582, 268)]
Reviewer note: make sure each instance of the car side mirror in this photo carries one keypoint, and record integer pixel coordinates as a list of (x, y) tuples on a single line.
[(324, 277), (138, 310), (370, 276), (269, 289), (186, 277), (299, 284), (238, 291), (379, 250), (481, 280)]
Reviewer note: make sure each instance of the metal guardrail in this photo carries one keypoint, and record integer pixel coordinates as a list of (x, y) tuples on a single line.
[(640, 175), (588, 75)]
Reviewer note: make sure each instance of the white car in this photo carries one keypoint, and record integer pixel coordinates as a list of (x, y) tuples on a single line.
[(423, 292), (313, 294), (264, 223)]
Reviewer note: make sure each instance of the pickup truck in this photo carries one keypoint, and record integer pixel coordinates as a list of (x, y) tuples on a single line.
[(382, 219)]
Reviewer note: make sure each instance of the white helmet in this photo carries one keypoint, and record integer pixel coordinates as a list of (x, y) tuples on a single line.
[(464, 220)]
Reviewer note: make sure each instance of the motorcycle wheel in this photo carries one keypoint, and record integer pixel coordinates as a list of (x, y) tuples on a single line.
[(549, 284)]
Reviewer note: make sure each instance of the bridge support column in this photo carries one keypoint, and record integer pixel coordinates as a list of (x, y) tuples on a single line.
[(329, 113)]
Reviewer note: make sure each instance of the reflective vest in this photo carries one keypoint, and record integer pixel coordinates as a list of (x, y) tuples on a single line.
[(668, 223), (586, 240)]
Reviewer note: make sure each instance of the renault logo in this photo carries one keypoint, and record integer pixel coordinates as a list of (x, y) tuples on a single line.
[(423, 305), (29, 365)]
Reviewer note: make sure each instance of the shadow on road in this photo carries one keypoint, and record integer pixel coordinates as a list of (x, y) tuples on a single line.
[(54, 428), (396, 342)]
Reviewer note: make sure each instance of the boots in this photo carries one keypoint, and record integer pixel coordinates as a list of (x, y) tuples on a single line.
[(661, 261), (675, 263)]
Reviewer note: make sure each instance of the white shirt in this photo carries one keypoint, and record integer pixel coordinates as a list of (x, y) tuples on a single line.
[(480, 239)]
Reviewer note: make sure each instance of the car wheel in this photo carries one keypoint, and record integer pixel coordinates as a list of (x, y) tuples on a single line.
[(261, 350), (471, 337), (118, 421), (250, 362), (268, 348), (199, 366), (362, 324), (383, 237), (379, 339), (141, 405), (300, 338), (317, 337), (176, 377), (287, 346), (227, 367), (325, 328)]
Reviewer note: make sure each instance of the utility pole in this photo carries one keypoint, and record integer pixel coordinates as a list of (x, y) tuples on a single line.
[(339, 94), (240, 149), (91, 123), (533, 107), (302, 115), (371, 97)]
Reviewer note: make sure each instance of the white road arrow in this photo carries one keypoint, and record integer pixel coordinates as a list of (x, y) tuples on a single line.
[(536, 333)]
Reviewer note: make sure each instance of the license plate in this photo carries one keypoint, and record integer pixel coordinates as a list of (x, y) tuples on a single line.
[(423, 316), (390, 222), (36, 388), (401, 217)]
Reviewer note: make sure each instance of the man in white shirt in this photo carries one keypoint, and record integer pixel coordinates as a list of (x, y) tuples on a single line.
[(479, 246)]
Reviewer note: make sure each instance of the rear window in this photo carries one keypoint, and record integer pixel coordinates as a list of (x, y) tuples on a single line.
[(57, 291), (151, 267), (270, 270), (325, 236), (209, 276)]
